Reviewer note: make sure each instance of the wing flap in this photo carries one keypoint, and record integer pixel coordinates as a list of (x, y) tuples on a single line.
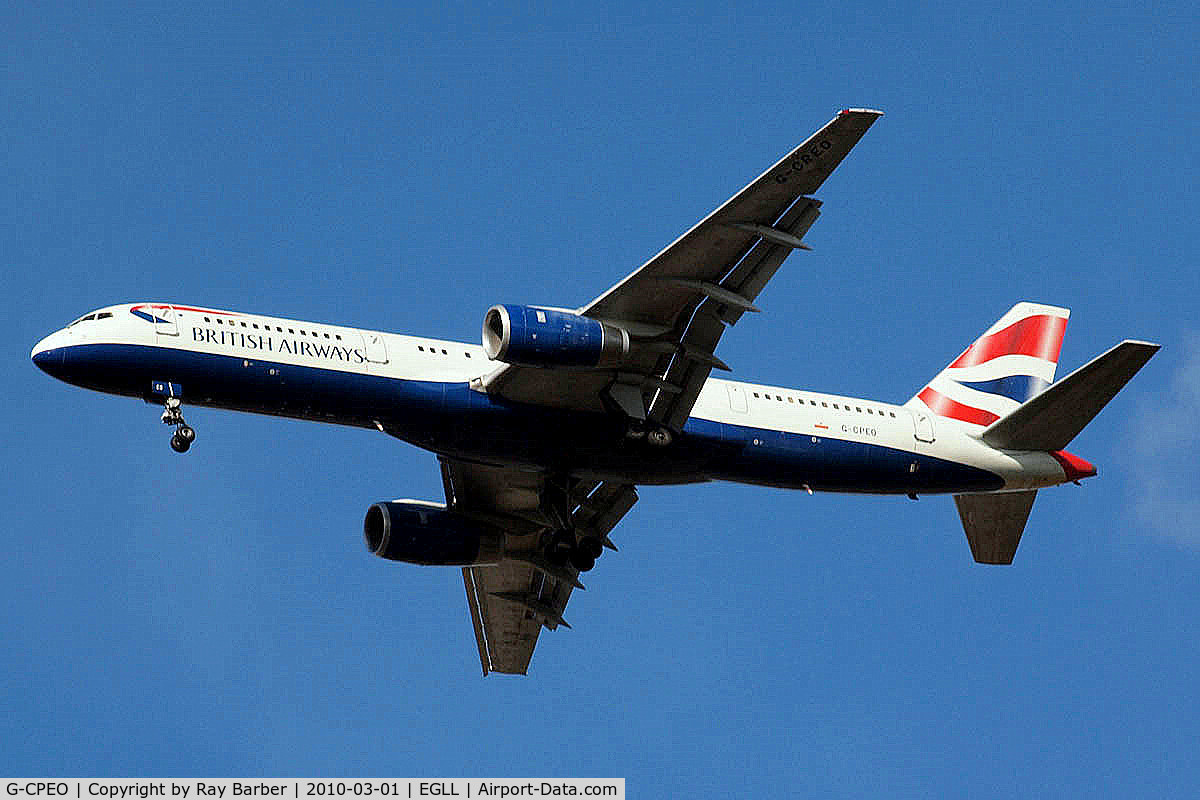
[(707, 325)]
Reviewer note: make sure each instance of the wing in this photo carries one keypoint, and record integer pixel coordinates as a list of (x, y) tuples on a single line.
[(676, 305), (655, 296), (512, 601)]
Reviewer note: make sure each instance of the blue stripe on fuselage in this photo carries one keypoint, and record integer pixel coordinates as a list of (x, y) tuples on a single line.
[(453, 419)]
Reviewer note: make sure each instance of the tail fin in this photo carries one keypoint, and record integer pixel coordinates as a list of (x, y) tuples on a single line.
[(1052, 419), (1011, 362)]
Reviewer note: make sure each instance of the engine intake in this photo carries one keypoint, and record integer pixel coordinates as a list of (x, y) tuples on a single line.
[(426, 533), (542, 337)]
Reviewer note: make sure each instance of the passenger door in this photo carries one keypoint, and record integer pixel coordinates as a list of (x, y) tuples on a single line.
[(737, 398), (165, 321), (375, 348), (922, 425)]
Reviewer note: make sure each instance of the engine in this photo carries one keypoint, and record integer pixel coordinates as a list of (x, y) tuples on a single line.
[(426, 533), (543, 337)]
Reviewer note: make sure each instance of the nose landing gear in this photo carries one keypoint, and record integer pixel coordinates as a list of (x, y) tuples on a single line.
[(184, 434)]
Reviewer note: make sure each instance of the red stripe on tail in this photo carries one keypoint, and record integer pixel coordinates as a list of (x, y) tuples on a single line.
[(945, 407), (1040, 336)]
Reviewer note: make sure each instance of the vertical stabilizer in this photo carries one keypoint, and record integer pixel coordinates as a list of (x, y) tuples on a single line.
[(1011, 362)]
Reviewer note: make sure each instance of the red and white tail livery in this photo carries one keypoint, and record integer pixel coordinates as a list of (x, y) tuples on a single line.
[(1011, 362)]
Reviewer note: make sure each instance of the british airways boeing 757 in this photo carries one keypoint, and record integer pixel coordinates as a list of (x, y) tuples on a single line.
[(545, 429)]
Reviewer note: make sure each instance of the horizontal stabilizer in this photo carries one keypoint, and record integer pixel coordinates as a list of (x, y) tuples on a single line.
[(994, 523), (1053, 418)]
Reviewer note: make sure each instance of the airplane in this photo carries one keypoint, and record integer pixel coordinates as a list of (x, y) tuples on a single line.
[(544, 430)]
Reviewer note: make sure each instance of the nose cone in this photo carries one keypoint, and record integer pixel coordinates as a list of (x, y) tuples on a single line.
[(48, 354)]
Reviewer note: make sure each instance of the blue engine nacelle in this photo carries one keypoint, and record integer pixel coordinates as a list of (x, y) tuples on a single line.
[(542, 337), (426, 533)]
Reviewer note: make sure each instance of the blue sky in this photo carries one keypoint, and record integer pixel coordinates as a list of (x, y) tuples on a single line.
[(405, 168)]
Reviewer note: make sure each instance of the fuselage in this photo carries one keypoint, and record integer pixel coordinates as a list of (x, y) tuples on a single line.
[(420, 390)]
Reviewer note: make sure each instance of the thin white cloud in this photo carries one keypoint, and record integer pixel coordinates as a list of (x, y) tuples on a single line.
[(1165, 447)]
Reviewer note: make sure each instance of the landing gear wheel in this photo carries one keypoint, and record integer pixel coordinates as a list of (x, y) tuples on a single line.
[(559, 550), (636, 430), (592, 546), (184, 434), (582, 560), (659, 437)]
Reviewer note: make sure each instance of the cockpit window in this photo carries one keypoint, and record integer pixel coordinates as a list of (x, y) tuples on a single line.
[(93, 316)]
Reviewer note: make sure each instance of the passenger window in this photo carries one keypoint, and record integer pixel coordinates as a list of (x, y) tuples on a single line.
[(790, 400), (825, 405), (422, 349), (756, 394)]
